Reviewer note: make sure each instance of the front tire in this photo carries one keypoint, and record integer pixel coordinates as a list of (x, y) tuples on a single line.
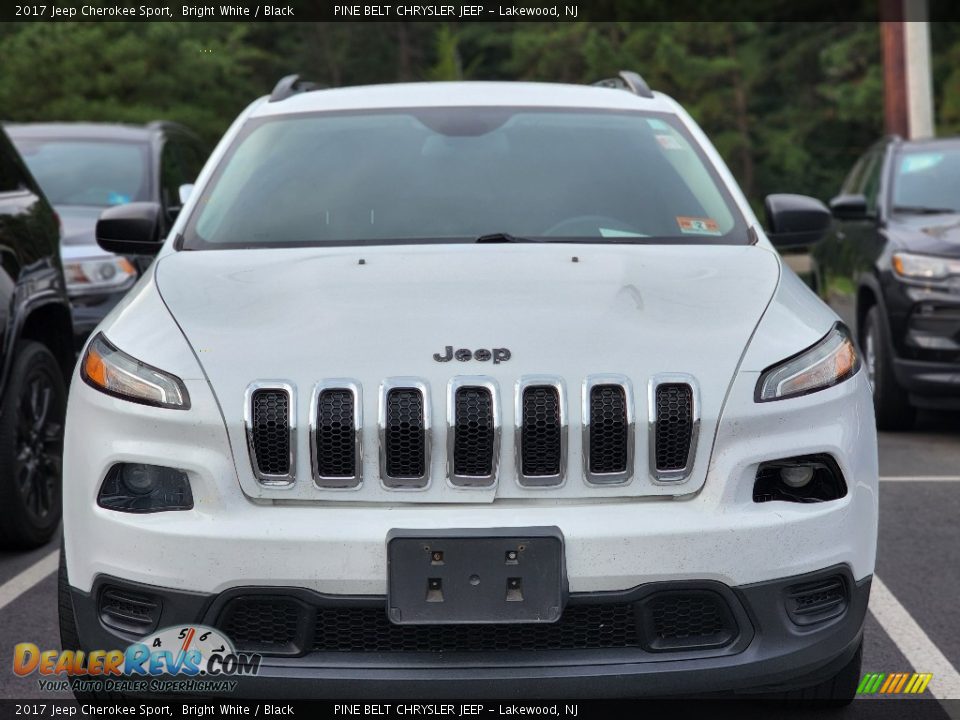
[(840, 690), (890, 401), (31, 448)]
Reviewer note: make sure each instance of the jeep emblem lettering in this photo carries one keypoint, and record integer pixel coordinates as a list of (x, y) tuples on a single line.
[(498, 355)]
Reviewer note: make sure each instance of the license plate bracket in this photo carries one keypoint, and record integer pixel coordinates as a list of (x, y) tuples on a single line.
[(488, 575)]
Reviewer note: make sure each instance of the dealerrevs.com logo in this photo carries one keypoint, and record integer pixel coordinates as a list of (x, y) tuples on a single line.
[(190, 658)]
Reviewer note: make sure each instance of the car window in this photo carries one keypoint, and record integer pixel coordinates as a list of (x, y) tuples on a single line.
[(173, 174), (87, 172), (458, 173), (193, 159), (870, 187), (927, 178), (853, 184), (12, 178)]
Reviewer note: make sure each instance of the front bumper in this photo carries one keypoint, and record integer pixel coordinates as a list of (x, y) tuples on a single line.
[(89, 311), (934, 385), (766, 649)]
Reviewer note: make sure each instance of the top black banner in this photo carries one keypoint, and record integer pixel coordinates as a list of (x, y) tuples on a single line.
[(457, 11)]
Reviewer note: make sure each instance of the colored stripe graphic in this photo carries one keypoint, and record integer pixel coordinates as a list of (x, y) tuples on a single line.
[(894, 683)]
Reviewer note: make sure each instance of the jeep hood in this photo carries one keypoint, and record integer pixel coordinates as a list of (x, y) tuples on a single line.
[(303, 315)]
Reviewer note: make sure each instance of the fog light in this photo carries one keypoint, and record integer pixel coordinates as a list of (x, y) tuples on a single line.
[(139, 488), (796, 476), (804, 479)]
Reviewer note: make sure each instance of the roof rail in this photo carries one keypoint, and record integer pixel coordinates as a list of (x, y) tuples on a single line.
[(291, 85), (628, 80)]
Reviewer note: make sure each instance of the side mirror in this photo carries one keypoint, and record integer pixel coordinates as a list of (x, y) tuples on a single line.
[(795, 220), (185, 191), (849, 207), (131, 229)]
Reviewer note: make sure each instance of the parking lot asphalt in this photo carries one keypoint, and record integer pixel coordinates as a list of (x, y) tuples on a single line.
[(912, 625)]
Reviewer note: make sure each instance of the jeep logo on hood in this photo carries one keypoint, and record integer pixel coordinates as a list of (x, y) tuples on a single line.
[(498, 355)]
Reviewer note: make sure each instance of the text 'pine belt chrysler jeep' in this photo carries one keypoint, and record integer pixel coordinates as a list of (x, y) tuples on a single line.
[(475, 389)]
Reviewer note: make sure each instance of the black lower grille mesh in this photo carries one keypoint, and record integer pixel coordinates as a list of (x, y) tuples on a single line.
[(682, 618), (265, 624), (662, 622), (271, 431), (541, 431), (674, 425), (473, 432), (608, 429), (580, 627), (404, 441), (336, 434)]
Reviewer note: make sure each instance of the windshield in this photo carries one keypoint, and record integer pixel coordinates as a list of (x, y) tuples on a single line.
[(455, 174), (926, 180), (87, 172)]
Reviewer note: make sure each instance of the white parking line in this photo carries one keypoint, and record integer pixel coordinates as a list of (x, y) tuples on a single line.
[(913, 642), (920, 478), (19, 584)]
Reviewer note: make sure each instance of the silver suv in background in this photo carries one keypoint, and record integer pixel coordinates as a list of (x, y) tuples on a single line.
[(85, 168)]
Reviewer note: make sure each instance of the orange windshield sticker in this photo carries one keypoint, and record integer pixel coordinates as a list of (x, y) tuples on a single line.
[(698, 226)]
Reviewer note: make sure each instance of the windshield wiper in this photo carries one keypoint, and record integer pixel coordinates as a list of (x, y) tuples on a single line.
[(502, 237), (919, 210)]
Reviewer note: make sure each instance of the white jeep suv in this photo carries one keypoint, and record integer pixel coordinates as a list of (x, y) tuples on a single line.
[(475, 389)]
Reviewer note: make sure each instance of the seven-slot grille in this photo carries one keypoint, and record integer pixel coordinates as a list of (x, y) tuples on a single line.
[(336, 438), (473, 431), (404, 443), (270, 432), (473, 425), (674, 426)]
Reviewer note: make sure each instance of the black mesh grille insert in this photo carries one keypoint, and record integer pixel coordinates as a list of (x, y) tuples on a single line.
[(266, 624), (474, 432), (674, 425), (336, 434), (677, 620), (541, 431), (608, 429), (404, 442), (664, 621), (580, 627), (271, 432)]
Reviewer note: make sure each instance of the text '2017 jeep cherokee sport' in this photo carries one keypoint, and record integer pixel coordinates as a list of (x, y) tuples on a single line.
[(475, 389)]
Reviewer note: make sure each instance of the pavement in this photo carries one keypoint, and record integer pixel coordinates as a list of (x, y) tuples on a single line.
[(912, 625)]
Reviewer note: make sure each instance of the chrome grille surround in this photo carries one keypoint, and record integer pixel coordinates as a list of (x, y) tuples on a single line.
[(419, 482), (557, 383), (666, 477), (615, 478), (491, 385), (271, 480), (338, 482)]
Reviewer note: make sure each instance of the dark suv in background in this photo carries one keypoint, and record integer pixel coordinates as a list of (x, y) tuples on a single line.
[(85, 168), (36, 357), (891, 267)]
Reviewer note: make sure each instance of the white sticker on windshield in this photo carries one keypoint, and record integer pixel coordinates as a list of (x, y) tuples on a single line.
[(657, 124), (917, 162), (669, 142), (611, 233)]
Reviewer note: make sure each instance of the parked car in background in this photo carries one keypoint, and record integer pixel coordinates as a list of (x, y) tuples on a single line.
[(891, 267), (86, 167), (36, 357)]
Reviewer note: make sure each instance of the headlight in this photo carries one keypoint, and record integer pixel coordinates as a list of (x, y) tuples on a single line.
[(924, 267), (115, 373), (830, 361), (86, 277)]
